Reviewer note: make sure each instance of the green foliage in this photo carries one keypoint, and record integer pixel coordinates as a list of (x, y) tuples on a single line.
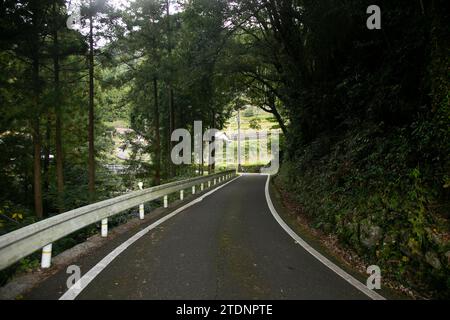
[(255, 124), (365, 114), (248, 113), (365, 179), (369, 129)]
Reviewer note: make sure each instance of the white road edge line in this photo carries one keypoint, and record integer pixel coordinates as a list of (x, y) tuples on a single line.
[(84, 281), (354, 282)]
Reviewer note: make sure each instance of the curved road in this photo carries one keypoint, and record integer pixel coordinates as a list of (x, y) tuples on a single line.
[(228, 246)]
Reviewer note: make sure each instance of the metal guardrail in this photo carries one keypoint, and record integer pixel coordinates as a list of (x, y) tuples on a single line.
[(24, 241)]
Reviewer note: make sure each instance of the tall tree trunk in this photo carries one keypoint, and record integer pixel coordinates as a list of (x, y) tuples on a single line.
[(171, 105), (91, 161), (58, 127), (201, 160), (46, 165), (38, 208), (280, 122), (35, 122), (212, 153), (172, 128), (278, 117), (157, 142)]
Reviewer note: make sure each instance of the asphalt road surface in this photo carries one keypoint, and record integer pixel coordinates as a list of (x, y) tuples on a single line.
[(228, 246)]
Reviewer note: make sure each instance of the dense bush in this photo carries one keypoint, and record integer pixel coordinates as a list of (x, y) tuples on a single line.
[(372, 189)]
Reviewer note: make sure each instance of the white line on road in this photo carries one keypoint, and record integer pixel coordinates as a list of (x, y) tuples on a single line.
[(81, 284), (358, 285)]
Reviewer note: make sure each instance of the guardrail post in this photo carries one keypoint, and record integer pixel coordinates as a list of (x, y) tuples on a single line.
[(141, 206), (141, 211), (52, 228), (46, 256), (181, 194), (105, 227)]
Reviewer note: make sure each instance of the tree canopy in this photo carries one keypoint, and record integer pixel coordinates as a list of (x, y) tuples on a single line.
[(364, 113)]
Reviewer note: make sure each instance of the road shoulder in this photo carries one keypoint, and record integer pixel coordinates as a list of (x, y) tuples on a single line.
[(324, 244)]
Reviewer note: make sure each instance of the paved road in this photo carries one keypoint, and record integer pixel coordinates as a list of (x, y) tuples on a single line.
[(227, 246)]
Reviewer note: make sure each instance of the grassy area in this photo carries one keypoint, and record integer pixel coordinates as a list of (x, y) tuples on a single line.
[(252, 118), (121, 123)]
